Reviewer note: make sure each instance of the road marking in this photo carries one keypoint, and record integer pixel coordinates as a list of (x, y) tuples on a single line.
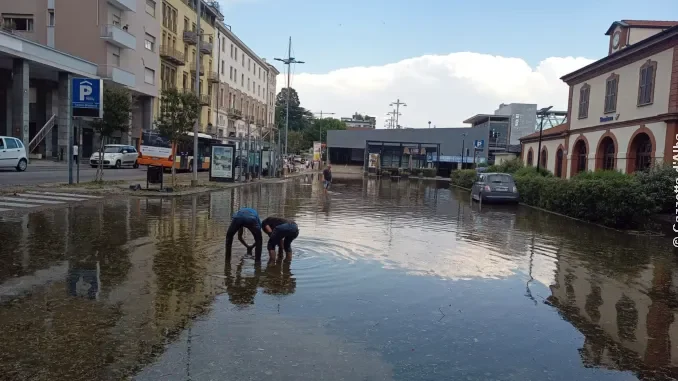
[(65, 194), (4, 210), (34, 196), (30, 200), (14, 204)]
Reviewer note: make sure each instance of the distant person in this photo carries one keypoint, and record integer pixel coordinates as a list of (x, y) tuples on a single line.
[(281, 233), (327, 177), (245, 218)]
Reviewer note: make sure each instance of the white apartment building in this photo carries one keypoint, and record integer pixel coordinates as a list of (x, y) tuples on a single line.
[(245, 95)]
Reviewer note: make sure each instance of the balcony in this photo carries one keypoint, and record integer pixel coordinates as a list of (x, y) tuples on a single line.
[(205, 100), (260, 122), (172, 55), (118, 37), (117, 75), (202, 69), (125, 5), (206, 47), (235, 114), (213, 76), (191, 37)]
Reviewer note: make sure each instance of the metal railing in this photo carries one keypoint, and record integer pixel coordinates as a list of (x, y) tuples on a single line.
[(40, 136), (212, 76), (173, 55), (202, 69), (190, 37), (206, 47), (205, 99)]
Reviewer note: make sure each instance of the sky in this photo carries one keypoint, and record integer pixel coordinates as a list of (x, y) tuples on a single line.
[(446, 59)]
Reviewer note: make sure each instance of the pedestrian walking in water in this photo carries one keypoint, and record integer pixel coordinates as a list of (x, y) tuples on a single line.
[(281, 233), (327, 177), (245, 218)]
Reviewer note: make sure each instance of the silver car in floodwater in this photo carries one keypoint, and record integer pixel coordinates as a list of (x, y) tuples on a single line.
[(495, 187)]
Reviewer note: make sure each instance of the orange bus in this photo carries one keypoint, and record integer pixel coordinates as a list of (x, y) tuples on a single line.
[(156, 150)]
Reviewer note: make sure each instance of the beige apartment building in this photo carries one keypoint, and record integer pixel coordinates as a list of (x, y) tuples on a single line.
[(246, 95), (118, 36), (622, 109)]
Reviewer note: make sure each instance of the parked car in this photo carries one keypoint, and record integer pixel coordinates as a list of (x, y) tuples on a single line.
[(13, 153), (495, 187), (116, 155)]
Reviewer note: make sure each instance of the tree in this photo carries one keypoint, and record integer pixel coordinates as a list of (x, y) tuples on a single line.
[(178, 113), (318, 131), (296, 142), (117, 117), (281, 98)]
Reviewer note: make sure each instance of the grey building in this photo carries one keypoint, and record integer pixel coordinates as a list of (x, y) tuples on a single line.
[(524, 121), (352, 146)]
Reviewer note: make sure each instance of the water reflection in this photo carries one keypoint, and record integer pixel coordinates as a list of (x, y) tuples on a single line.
[(408, 280)]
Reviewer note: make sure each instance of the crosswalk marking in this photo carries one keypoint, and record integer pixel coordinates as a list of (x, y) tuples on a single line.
[(63, 194), (18, 199), (17, 205), (48, 197)]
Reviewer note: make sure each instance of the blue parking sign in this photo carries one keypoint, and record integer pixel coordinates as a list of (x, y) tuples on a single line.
[(86, 97), (479, 144)]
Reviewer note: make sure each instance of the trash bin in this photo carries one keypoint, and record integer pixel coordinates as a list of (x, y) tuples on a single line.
[(154, 175)]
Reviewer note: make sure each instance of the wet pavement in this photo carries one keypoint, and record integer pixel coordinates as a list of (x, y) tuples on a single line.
[(390, 281)]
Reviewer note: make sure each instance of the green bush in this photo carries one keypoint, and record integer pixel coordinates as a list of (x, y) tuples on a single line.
[(509, 166), (463, 177), (532, 171), (615, 201), (599, 175), (429, 172), (658, 183)]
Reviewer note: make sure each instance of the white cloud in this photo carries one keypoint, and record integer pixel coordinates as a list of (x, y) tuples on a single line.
[(444, 89)]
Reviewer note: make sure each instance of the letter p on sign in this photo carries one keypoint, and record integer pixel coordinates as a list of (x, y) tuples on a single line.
[(85, 90)]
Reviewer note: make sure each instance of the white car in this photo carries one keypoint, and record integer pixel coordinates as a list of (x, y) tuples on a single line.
[(116, 155), (13, 153)]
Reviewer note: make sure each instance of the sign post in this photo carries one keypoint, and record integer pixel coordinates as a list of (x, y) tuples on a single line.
[(86, 102)]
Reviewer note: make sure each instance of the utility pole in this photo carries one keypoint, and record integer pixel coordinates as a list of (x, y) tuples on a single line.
[(397, 103), (288, 61), (542, 115), (194, 181), (320, 131)]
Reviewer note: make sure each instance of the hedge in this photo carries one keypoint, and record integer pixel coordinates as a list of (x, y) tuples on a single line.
[(609, 198)]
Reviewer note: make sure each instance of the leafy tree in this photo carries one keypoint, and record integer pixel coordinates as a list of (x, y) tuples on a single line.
[(117, 117), (281, 98), (319, 129), (296, 142), (178, 113)]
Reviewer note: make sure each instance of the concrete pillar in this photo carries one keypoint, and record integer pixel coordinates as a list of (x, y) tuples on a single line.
[(64, 118), (51, 108), (20, 100), (8, 98)]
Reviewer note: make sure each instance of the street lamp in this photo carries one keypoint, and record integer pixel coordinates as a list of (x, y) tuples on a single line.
[(288, 61), (542, 114), (429, 124), (463, 141)]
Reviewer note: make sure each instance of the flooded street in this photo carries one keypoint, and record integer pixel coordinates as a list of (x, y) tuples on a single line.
[(390, 281)]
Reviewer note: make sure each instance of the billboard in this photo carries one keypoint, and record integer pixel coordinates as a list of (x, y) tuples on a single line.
[(221, 168), (316, 151), (374, 160)]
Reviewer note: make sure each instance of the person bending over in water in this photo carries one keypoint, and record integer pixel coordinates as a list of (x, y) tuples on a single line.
[(281, 232), (245, 218)]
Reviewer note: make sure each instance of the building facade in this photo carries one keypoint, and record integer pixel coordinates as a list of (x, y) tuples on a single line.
[(622, 109), (360, 122), (119, 36)]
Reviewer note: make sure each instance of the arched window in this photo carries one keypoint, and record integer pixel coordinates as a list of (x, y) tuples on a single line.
[(579, 157), (544, 158), (530, 157), (607, 153), (643, 150), (559, 163)]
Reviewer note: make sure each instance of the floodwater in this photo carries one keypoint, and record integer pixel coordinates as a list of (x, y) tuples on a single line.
[(390, 281)]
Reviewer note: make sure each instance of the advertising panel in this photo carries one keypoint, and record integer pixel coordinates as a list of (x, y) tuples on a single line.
[(222, 165)]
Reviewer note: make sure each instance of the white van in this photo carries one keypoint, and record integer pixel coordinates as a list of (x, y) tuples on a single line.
[(12, 153)]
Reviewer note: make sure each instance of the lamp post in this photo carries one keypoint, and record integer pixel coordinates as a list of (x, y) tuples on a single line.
[(288, 61), (463, 141), (542, 114), (429, 124)]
